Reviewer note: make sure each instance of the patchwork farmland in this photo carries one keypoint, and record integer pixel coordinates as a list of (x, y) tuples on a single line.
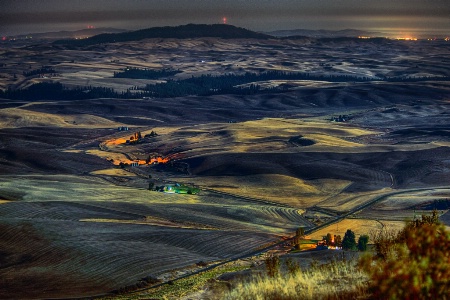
[(82, 212)]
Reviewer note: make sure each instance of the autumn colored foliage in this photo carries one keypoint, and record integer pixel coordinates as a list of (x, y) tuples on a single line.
[(413, 264)]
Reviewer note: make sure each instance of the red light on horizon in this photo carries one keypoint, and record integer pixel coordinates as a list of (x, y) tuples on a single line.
[(224, 19), (4, 38), (90, 27)]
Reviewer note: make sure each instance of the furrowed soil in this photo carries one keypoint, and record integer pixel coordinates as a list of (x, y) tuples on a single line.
[(74, 223)]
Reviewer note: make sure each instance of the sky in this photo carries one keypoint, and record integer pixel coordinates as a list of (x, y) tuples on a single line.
[(403, 16)]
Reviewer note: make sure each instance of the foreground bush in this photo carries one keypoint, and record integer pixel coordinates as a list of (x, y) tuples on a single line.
[(413, 265), (338, 280)]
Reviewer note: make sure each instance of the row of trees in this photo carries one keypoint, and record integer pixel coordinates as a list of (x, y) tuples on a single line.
[(56, 91), (43, 70), (348, 242), (203, 85), (139, 73), (229, 83)]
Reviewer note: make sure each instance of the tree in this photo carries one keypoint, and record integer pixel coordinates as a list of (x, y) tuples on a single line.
[(362, 242), (338, 241), (299, 233), (349, 242), (328, 239)]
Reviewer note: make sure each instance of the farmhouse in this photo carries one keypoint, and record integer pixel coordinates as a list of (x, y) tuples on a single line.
[(180, 189)]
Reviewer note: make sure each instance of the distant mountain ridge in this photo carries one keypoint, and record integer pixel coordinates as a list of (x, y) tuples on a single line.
[(179, 32), (82, 33), (323, 33)]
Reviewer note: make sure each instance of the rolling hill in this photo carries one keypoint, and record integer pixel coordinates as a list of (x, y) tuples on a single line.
[(179, 32)]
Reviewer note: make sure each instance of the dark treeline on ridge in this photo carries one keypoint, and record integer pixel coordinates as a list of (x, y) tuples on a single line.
[(43, 70), (224, 31), (205, 85), (229, 83), (139, 73), (56, 91)]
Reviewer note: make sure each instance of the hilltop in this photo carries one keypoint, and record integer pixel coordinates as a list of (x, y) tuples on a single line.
[(178, 32)]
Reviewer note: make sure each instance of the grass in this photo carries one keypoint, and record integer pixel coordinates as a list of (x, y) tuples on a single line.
[(322, 132), (152, 221), (337, 280), (409, 200), (180, 288), (359, 226), (115, 157), (17, 117), (278, 188), (74, 189), (114, 172), (346, 201)]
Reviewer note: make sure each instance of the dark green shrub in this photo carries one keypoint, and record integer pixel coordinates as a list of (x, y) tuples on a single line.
[(362, 242)]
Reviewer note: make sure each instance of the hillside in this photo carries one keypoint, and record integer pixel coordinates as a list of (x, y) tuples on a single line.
[(179, 32), (87, 32)]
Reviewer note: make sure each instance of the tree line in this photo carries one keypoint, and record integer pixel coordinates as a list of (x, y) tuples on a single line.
[(139, 73), (56, 91), (43, 70), (205, 85)]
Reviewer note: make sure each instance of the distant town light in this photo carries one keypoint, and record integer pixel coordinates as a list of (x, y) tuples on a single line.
[(406, 39)]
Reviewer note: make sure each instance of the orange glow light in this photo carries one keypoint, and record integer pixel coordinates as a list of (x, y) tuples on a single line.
[(116, 142), (406, 39), (159, 160)]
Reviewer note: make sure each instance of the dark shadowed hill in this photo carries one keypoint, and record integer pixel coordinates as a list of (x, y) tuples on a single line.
[(179, 32)]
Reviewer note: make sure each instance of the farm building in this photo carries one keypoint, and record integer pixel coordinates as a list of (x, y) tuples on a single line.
[(180, 189)]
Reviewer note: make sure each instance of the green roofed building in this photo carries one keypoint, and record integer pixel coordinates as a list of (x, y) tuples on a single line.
[(180, 189)]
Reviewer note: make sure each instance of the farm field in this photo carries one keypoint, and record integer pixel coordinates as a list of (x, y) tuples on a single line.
[(78, 220), (359, 226)]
